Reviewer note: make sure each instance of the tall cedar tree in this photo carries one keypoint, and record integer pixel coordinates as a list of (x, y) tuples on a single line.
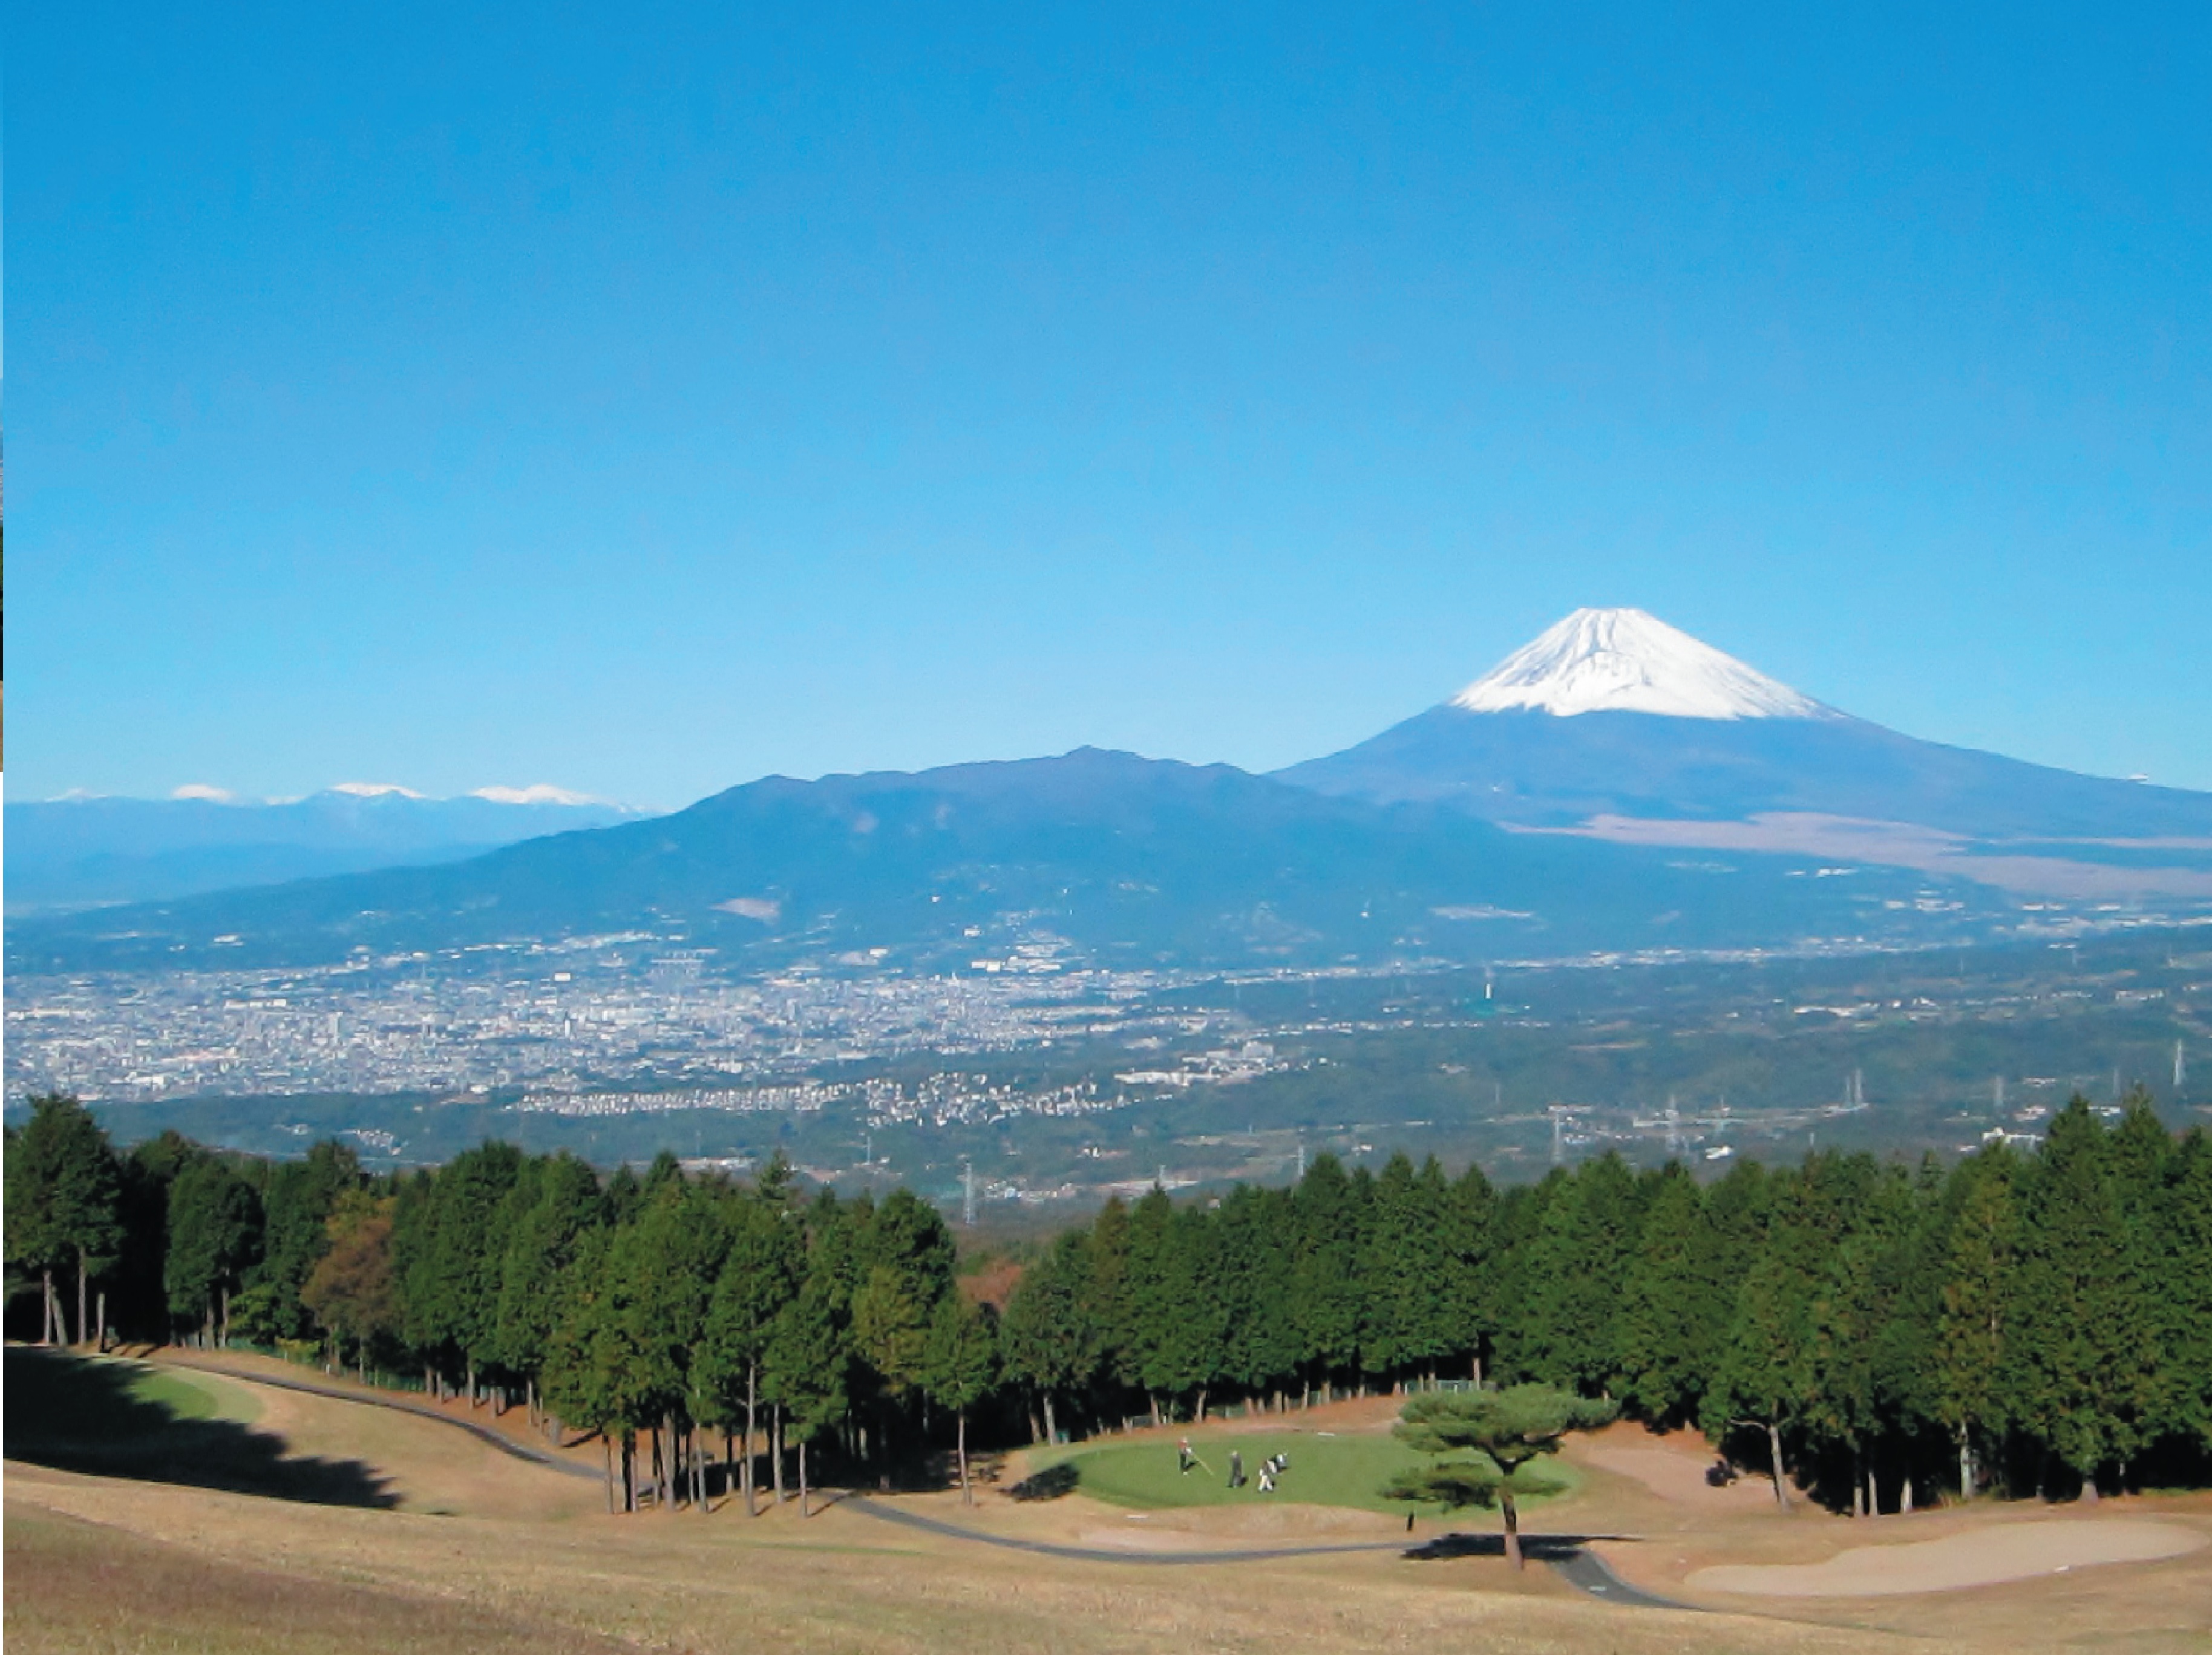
[(808, 1370), (296, 1204), (759, 1279), (1974, 1315), (63, 1199), (2080, 1358), (958, 1365), (215, 1234), (1049, 1340)]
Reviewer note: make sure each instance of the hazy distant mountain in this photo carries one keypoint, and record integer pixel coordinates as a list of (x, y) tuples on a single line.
[(1132, 861), (79, 853), (1547, 809), (1615, 725)]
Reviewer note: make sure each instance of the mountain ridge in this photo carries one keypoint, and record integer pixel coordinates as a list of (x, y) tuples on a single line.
[(1138, 862)]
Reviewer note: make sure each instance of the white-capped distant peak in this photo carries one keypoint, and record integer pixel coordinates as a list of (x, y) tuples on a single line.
[(539, 792), (1626, 661)]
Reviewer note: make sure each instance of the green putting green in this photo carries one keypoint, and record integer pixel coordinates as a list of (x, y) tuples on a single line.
[(1324, 1470)]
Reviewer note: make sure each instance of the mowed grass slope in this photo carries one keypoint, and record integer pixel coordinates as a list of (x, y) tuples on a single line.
[(1347, 1469), (53, 1396)]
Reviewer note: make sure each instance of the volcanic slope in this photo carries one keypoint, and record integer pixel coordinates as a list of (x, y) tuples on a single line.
[(1613, 719)]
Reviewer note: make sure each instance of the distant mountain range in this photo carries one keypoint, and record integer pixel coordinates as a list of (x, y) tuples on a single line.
[(1616, 785), (1135, 862), (83, 852)]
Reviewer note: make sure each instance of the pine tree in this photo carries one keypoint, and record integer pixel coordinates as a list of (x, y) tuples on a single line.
[(1492, 1438)]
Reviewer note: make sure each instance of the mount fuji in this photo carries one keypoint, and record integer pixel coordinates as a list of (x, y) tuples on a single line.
[(1542, 812), (1613, 725)]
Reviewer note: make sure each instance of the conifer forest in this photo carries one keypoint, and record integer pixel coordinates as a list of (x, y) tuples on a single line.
[(1868, 1334)]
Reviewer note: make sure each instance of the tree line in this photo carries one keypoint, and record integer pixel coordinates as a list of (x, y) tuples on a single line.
[(1877, 1332)]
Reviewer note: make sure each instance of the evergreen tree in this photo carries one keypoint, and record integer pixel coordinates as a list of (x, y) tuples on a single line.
[(1259, 1338), (958, 1365), (542, 1241), (1765, 1374), (2083, 1355), (1492, 1438), (1672, 1308), (808, 1369), (1151, 1332), (1969, 1348), (1468, 1303), (64, 1201), (1328, 1231), (296, 1203), (596, 1376), (2183, 1260), (1049, 1339), (1109, 1300), (758, 1279), (671, 1254), (215, 1234)]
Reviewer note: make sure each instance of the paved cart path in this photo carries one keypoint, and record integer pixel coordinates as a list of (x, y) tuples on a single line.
[(498, 1440), (1579, 1566)]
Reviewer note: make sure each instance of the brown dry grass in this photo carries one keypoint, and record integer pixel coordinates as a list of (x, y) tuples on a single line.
[(96, 1565), (527, 1559)]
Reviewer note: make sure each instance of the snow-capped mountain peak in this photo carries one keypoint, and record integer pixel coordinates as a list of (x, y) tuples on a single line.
[(1627, 661)]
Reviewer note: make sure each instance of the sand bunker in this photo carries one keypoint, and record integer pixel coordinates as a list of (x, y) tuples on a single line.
[(1981, 1557), (1676, 1475)]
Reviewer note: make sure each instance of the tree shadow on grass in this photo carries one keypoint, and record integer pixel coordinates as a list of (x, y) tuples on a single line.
[(1539, 1548), (1051, 1483), (75, 1414)]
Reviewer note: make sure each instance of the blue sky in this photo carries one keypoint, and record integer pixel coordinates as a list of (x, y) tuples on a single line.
[(644, 399)]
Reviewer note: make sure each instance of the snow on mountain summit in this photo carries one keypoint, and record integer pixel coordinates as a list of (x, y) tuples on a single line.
[(1626, 661)]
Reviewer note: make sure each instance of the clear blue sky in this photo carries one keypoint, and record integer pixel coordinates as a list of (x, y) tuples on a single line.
[(643, 399)]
